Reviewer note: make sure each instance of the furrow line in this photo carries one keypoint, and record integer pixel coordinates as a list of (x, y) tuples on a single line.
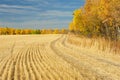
[(11, 71), (41, 64), (25, 67), (32, 73), (34, 62)]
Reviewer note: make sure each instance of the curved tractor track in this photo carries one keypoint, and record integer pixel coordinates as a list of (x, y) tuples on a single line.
[(52, 57)]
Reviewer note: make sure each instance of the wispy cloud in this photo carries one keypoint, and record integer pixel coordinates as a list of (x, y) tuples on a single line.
[(37, 13), (14, 11), (57, 13), (45, 2), (5, 6), (17, 9)]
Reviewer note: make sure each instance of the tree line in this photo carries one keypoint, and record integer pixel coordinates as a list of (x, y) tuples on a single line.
[(97, 18), (13, 31)]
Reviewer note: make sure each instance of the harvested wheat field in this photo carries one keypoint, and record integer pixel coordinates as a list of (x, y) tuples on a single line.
[(53, 57)]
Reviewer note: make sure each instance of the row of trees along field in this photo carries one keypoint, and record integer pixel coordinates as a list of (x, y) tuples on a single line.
[(12, 31), (97, 18)]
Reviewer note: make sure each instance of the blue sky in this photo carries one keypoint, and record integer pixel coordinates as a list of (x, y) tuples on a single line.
[(37, 14)]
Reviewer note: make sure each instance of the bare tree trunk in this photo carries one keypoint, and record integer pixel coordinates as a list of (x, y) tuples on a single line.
[(116, 37), (107, 31)]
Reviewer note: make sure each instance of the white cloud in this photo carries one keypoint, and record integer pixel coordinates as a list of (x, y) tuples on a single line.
[(15, 11), (17, 7), (46, 19), (56, 13), (63, 6), (39, 1), (36, 19)]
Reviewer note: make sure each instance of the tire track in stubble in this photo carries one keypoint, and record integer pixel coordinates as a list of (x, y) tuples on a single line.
[(87, 74), (65, 43), (84, 61), (102, 72), (95, 61), (68, 69)]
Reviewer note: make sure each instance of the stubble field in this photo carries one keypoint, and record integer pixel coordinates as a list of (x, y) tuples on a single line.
[(52, 57)]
